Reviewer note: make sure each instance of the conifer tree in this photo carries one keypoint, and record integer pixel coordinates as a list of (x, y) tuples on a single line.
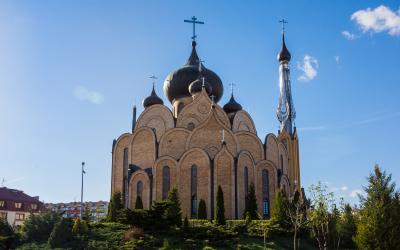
[(346, 228), (61, 234), (138, 202), (278, 213), (251, 204), (173, 210), (220, 209), (186, 223), (378, 226), (114, 207), (202, 212), (80, 227)]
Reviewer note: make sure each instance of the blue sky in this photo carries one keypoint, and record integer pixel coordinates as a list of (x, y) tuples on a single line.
[(70, 72)]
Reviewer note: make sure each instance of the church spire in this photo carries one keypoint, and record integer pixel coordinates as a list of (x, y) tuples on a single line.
[(285, 112)]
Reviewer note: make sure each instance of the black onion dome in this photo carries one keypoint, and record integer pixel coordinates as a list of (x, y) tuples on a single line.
[(232, 106), (176, 85), (152, 99), (197, 86), (284, 55)]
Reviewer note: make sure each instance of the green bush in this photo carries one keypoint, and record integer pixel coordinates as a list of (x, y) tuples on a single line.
[(138, 202), (220, 209), (80, 227), (114, 207), (202, 211), (37, 227), (61, 234), (8, 238)]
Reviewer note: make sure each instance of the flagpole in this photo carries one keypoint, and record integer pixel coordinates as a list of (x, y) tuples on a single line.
[(83, 171)]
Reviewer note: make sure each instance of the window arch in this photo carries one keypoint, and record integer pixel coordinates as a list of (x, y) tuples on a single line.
[(165, 182), (139, 189), (265, 193), (246, 180), (193, 191)]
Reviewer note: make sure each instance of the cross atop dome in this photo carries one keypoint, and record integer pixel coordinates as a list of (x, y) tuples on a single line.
[(194, 22)]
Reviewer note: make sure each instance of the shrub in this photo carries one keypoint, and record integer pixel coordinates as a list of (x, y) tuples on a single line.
[(133, 232), (8, 238), (114, 207), (138, 202), (220, 209), (202, 211), (61, 234), (38, 227), (80, 227), (251, 203), (173, 209)]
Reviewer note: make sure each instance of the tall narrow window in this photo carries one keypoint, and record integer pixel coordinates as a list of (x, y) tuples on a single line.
[(139, 189), (265, 193), (246, 180), (282, 163), (165, 182), (125, 174), (193, 189)]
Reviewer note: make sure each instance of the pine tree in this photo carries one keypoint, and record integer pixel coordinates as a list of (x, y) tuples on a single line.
[(61, 234), (186, 223), (138, 202), (251, 204), (80, 227), (278, 213), (114, 207), (202, 212), (220, 209), (378, 226), (346, 228), (173, 211)]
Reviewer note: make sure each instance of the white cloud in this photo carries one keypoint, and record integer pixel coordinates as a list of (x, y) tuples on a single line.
[(84, 94), (344, 188), (354, 193), (348, 35), (309, 67), (380, 19), (337, 59)]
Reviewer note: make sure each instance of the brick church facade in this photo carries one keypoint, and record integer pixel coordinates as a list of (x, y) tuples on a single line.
[(200, 145)]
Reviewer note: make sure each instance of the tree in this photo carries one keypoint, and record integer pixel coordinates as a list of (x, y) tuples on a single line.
[(296, 212), (378, 226), (202, 211), (8, 238), (220, 209), (80, 227), (114, 207), (61, 234), (138, 202), (186, 223), (173, 210), (37, 227), (251, 203), (346, 228), (278, 214), (320, 217)]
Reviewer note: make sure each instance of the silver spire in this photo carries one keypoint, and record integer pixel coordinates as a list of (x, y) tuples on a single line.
[(285, 112)]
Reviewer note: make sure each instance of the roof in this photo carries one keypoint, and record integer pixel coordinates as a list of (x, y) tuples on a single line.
[(8, 194)]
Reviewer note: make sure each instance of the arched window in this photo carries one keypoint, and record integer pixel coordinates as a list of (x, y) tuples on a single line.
[(246, 180), (165, 182), (139, 189), (265, 193), (193, 189)]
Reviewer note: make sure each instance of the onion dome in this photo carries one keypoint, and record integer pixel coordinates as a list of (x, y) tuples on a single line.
[(232, 106), (284, 55), (176, 85), (152, 99), (198, 84)]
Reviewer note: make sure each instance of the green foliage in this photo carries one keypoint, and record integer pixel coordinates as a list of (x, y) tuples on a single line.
[(279, 214), (220, 209), (378, 226), (251, 204), (320, 217), (61, 234), (86, 215), (8, 238), (173, 209), (114, 207), (346, 227), (37, 227), (80, 227), (202, 211), (138, 202)]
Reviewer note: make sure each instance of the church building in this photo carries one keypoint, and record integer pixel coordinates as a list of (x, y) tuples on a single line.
[(199, 145)]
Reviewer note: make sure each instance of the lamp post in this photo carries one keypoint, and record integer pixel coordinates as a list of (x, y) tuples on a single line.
[(83, 172)]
